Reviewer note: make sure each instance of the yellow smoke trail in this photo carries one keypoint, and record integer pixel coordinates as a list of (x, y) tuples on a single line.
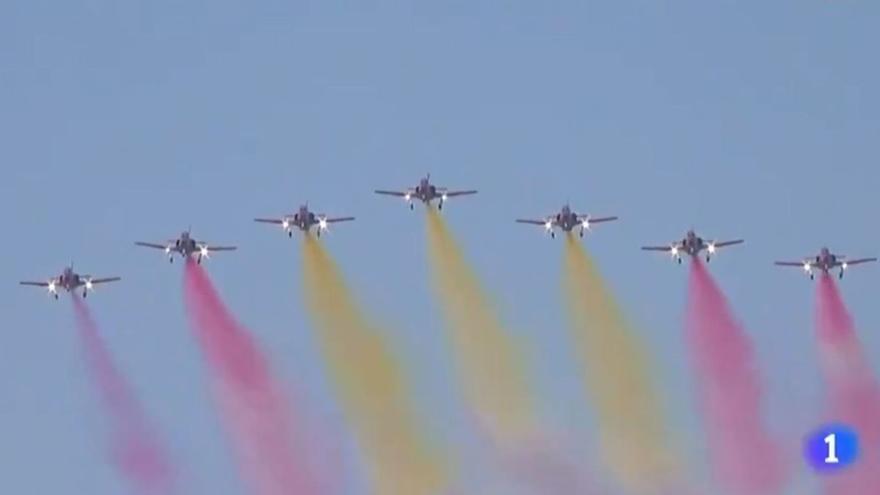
[(370, 384), (488, 359), (633, 436)]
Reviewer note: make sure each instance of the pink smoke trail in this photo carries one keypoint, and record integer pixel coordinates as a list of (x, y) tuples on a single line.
[(135, 447), (853, 393), (745, 459), (253, 407)]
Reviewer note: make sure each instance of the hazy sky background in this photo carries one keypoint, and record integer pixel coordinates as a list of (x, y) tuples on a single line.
[(124, 121)]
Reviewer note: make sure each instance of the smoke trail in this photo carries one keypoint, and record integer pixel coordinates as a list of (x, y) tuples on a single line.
[(745, 459), (543, 467), (253, 407), (490, 363), (617, 374), (370, 382), (493, 373), (853, 392), (136, 450)]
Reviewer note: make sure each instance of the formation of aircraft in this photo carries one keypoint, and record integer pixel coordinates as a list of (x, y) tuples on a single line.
[(826, 261), (304, 220), (566, 219), (426, 193), (186, 246), (69, 280), (693, 245)]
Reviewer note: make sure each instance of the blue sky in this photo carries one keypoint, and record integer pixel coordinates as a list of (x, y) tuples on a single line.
[(131, 121)]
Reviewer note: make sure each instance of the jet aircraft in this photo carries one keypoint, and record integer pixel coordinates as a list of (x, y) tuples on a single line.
[(693, 245), (826, 261), (304, 220), (426, 192), (69, 280), (186, 246), (566, 220)]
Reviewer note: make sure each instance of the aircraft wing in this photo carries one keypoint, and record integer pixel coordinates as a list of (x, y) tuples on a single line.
[(794, 263), (730, 243), (105, 280), (530, 221), (657, 248), (859, 261), (597, 219), (450, 194), (152, 245), (35, 284), (276, 221), (392, 193), (221, 248), (338, 219)]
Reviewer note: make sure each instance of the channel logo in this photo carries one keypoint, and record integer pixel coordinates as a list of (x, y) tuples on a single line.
[(832, 448)]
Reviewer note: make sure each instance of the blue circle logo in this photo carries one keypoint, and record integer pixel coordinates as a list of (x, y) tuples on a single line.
[(832, 448)]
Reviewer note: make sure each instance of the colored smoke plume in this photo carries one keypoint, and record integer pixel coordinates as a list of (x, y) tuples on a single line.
[(370, 383), (253, 407), (633, 434), (745, 459), (853, 395), (135, 447), (490, 364), (543, 467)]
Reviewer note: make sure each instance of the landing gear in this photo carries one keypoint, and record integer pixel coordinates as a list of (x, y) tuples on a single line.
[(581, 233), (318, 233), (85, 294), (199, 260), (411, 206), (552, 234), (290, 233), (678, 259), (56, 296), (841, 275), (440, 205), (812, 277), (708, 259), (171, 259)]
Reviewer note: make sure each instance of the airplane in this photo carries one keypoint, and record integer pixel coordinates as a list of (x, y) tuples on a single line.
[(825, 261), (186, 246), (304, 220), (70, 281), (692, 244), (566, 220), (426, 192)]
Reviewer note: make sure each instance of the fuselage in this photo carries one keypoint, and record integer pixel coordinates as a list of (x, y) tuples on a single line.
[(186, 245), (826, 260), (303, 219), (567, 219), (425, 191), (692, 244), (69, 280)]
